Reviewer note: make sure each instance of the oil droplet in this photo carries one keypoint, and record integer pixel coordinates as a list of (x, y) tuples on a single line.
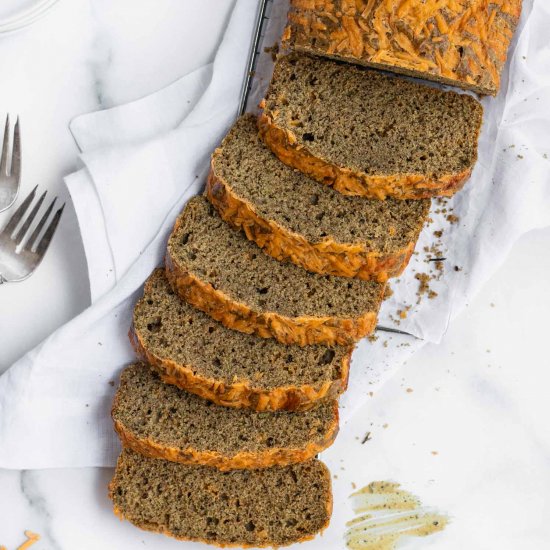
[(385, 514)]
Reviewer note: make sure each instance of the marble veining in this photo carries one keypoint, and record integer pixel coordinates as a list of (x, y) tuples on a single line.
[(101, 61), (38, 504)]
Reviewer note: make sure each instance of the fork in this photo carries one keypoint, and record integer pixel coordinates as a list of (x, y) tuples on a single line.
[(18, 262), (10, 176)]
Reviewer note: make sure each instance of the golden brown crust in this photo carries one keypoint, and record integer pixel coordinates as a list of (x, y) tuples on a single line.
[(303, 331), (242, 393), (240, 461), (400, 186), (458, 42), (327, 257), (162, 530)]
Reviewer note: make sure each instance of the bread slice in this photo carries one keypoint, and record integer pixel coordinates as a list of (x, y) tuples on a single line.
[(248, 508), (219, 271), (192, 351), (462, 43), (293, 218), (161, 421), (369, 134)]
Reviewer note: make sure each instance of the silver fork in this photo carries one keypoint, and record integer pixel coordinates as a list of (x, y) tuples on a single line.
[(10, 176), (19, 262)]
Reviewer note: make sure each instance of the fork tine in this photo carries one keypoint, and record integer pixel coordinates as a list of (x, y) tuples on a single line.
[(16, 153), (38, 228), (18, 214), (45, 240), (30, 218), (5, 147)]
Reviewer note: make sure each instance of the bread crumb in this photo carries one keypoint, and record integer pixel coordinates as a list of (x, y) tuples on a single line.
[(435, 453), (409, 390), (424, 286), (273, 50), (402, 313), (385, 426)]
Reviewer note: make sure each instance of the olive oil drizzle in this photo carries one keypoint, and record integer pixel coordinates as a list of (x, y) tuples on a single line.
[(385, 513)]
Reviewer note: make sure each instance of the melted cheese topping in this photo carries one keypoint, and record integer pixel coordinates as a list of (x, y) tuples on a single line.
[(464, 41)]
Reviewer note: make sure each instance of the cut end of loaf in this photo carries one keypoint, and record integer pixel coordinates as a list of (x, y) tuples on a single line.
[(218, 270), (386, 136), (162, 421), (238, 508), (294, 219), (198, 354)]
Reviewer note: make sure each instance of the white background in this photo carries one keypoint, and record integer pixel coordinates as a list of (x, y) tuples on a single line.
[(479, 399)]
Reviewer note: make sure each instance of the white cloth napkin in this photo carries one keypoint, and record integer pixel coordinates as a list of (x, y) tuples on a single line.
[(110, 135), (142, 161)]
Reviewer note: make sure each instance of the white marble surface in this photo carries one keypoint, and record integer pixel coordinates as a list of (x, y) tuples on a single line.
[(479, 399)]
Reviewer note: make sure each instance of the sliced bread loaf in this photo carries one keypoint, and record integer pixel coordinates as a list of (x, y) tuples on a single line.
[(219, 271), (269, 507), (161, 421), (369, 134), (191, 350), (459, 43), (293, 218)]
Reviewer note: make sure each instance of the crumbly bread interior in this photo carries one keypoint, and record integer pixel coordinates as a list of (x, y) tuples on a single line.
[(216, 254), (171, 417), (274, 506), (371, 123), (173, 330), (301, 205)]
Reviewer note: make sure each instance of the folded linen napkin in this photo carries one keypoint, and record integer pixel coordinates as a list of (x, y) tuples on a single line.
[(117, 130), (136, 176)]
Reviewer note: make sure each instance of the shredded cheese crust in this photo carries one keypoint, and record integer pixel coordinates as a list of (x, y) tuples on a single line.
[(461, 42)]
